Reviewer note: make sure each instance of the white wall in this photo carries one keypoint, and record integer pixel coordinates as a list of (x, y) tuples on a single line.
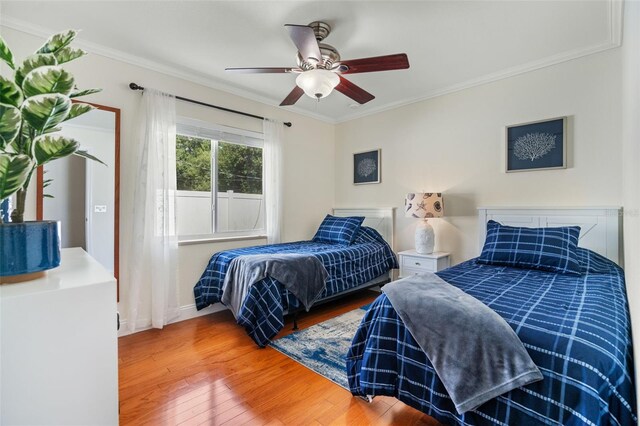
[(308, 184), (631, 162), (455, 144)]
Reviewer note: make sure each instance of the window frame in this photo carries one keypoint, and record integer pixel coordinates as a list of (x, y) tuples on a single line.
[(205, 130)]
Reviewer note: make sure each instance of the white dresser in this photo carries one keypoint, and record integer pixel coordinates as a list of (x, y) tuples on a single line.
[(411, 262), (59, 348)]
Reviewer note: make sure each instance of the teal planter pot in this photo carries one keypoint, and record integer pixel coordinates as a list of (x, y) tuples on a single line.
[(28, 248)]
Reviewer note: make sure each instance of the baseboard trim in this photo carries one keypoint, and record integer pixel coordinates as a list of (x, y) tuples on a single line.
[(184, 313)]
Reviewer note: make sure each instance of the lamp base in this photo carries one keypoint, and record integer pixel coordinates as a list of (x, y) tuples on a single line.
[(425, 238)]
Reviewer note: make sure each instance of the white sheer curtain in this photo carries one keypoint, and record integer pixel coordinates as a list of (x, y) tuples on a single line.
[(273, 132), (153, 295)]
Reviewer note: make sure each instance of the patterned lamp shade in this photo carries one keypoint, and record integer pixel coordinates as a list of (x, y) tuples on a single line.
[(424, 205)]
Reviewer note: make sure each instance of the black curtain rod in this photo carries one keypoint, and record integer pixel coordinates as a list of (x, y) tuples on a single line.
[(134, 86)]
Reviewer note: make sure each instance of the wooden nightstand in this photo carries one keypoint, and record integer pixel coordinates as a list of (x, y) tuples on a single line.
[(412, 263)]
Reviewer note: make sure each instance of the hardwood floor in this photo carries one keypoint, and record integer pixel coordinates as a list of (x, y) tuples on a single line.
[(208, 371)]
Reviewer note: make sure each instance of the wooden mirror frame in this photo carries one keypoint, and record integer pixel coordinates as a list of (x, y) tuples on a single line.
[(116, 201)]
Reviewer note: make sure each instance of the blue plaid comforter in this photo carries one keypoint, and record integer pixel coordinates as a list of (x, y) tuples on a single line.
[(576, 329), (262, 312)]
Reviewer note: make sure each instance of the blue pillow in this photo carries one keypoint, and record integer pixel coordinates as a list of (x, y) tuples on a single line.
[(341, 230), (547, 249)]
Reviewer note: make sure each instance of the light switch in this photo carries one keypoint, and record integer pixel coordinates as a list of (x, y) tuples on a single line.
[(100, 209)]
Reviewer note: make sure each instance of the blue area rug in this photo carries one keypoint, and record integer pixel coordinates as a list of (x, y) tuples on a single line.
[(323, 347)]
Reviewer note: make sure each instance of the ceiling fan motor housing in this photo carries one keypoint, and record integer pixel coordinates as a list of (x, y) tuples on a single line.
[(320, 29), (330, 56), (329, 53)]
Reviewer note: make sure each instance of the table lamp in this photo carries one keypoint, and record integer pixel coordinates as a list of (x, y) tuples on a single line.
[(424, 205)]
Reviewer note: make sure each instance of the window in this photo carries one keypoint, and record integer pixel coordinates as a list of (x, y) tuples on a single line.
[(219, 181)]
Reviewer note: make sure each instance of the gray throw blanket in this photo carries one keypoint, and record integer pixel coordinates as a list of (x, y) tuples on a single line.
[(475, 353), (303, 275)]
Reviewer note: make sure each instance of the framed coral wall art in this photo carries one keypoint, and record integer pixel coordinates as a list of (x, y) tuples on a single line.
[(538, 145), (366, 167)]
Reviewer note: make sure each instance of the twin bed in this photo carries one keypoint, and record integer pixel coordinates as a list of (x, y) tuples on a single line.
[(575, 327), (364, 263)]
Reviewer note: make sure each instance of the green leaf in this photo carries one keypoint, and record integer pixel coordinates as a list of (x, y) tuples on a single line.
[(48, 148), (14, 172), (5, 54), (9, 124), (49, 79), (77, 109), (68, 54), (43, 112), (52, 130), (85, 154), (58, 41), (31, 63), (85, 92), (10, 93), (25, 130)]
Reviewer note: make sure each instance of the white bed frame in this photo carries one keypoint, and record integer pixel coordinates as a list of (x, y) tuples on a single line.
[(379, 218), (600, 226)]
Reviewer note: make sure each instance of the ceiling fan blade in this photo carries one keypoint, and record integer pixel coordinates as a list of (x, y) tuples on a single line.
[(356, 93), (379, 63), (305, 40), (260, 70), (292, 97)]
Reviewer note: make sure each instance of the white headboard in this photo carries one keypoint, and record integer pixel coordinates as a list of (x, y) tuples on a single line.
[(379, 218), (600, 228)]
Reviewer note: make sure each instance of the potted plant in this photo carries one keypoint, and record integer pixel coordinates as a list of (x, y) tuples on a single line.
[(40, 96)]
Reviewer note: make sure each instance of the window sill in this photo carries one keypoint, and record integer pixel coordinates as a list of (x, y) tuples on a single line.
[(210, 240)]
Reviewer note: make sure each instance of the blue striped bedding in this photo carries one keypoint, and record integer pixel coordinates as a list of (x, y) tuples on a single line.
[(263, 309), (576, 329)]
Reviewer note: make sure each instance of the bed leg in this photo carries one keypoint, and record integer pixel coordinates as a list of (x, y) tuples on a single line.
[(295, 321)]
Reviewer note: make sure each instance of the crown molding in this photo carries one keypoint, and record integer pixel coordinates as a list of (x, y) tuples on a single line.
[(194, 77), (615, 12)]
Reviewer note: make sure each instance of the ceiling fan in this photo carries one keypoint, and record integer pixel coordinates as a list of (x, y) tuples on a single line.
[(320, 69)]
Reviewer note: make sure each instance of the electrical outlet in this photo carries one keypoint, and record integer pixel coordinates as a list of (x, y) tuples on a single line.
[(100, 209)]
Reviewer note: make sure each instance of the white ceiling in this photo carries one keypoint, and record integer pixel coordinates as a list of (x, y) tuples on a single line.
[(451, 44)]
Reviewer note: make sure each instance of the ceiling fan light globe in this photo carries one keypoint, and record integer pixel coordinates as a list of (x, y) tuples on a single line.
[(317, 83)]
